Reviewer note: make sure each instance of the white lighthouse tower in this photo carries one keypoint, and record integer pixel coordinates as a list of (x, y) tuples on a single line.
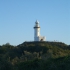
[(37, 36)]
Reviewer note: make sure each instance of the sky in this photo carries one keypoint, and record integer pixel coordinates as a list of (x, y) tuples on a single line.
[(17, 19)]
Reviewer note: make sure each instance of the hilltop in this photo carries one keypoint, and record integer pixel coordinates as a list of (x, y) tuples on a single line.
[(56, 49), (35, 56)]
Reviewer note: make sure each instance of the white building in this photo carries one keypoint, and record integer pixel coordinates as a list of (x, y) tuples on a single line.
[(37, 36)]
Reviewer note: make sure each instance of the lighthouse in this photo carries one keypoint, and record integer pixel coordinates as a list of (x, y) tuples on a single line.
[(37, 36)]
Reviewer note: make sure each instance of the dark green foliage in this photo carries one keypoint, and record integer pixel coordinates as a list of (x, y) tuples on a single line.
[(5, 65), (35, 56)]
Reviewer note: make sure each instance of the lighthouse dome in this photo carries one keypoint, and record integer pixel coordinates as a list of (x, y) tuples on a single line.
[(37, 22)]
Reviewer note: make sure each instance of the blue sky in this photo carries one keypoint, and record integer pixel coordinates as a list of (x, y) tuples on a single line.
[(17, 19)]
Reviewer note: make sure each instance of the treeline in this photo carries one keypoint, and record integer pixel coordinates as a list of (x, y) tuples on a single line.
[(35, 56)]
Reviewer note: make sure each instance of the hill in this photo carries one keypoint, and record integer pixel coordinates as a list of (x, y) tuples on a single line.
[(55, 49), (35, 56)]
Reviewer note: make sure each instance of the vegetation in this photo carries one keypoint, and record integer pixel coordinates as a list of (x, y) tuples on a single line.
[(35, 56)]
